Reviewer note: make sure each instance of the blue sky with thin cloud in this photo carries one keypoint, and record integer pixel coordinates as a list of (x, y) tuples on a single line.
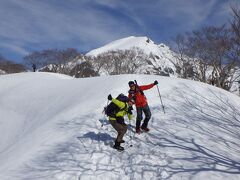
[(33, 25)]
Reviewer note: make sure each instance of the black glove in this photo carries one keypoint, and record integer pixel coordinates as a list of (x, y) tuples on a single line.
[(129, 111), (155, 82), (109, 97)]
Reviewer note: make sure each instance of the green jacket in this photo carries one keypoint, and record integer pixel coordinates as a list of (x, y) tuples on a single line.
[(123, 109)]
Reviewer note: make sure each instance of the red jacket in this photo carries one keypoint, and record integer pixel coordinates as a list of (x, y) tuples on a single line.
[(138, 96)]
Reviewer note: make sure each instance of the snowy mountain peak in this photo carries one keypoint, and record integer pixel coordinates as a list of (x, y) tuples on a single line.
[(160, 62), (142, 42)]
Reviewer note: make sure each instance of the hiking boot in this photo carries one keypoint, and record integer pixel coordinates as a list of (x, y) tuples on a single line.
[(118, 147), (138, 131), (145, 129)]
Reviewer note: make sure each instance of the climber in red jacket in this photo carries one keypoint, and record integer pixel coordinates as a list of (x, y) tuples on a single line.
[(137, 96)]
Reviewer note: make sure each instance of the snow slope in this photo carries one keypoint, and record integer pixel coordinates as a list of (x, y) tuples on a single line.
[(51, 128)]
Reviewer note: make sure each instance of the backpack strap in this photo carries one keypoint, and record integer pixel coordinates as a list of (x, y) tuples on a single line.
[(124, 108)]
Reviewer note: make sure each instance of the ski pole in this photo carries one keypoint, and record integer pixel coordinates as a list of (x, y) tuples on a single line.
[(161, 99), (130, 134), (104, 109)]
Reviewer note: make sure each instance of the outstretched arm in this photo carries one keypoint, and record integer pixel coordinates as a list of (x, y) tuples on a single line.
[(146, 87)]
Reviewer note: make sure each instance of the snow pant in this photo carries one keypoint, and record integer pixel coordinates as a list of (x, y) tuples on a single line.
[(140, 110), (120, 128)]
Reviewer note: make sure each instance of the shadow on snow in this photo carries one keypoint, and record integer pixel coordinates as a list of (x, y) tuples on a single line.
[(197, 134)]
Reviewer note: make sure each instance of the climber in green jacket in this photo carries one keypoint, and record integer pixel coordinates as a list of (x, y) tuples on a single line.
[(116, 119)]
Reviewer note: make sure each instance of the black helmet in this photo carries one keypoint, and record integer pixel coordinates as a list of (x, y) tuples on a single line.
[(130, 83), (122, 97)]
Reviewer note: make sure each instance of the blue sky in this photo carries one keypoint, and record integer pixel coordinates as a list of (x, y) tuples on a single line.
[(33, 25)]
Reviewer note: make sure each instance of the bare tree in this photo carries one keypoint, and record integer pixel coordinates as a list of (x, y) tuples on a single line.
[(52, 60), (215, 48), (55, 59), (117, 58), (135, 58), (98, 62), (105, 62), (208, 52), (66, 56), (9, 66), (119, 61), (84, 69), (235, 23), (185, 58), (35, 58)]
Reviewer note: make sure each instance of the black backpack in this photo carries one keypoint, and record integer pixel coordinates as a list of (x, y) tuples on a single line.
[(112, 109)]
